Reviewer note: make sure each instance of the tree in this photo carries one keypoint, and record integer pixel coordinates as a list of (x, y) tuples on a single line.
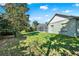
[(4, 25), (16, 14), (35, 24), (46, 23)]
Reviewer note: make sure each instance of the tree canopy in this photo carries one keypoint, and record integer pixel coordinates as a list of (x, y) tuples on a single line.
[(15, 17), (35, 24)]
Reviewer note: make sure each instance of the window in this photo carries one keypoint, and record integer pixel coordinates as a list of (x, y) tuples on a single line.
[(64, 29), (64, 24), (52, 25)]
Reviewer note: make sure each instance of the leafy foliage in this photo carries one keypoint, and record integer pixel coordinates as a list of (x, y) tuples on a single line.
[(5, 25), (34, 25), (16, 12), (15, 18)]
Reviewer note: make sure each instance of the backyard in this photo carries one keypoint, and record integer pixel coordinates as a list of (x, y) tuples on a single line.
[(40, 44), (21, 35)]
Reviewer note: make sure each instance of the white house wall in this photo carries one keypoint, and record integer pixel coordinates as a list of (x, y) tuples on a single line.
[(54, 20), (57, 18), (57, 26)]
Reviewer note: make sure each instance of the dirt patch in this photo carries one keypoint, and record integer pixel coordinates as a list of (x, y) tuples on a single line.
[(9, 40), (6, 39)]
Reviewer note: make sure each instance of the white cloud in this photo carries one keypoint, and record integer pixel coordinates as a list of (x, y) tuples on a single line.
[(29, 3), (77, 4), (30, 18), (44, 7), (46, 15), (37, 17), (67, 11), (2, 4)]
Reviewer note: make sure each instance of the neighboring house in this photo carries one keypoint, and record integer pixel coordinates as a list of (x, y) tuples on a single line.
[(64, 24), (42, 28)]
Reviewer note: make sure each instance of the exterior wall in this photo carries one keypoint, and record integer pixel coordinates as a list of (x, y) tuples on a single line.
[(57, 27), (65, 26), (71, 28), (55, 19)]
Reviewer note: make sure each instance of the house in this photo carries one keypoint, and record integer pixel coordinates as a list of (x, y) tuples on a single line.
[(42, 28), (64, 24)]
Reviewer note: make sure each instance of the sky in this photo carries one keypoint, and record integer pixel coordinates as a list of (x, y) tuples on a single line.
[(43, 12)]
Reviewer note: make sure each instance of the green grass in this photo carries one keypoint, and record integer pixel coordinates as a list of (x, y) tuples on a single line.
[(41, 43)]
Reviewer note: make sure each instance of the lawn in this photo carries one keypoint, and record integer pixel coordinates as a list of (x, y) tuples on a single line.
[(42, 44)]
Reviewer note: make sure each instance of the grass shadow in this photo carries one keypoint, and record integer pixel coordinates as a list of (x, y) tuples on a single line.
[(69, 44), (32, 33)]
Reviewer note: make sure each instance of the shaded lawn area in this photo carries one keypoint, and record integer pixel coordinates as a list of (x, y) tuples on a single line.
[(41, 43)]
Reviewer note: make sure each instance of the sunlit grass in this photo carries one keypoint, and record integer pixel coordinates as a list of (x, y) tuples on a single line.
[(42, 43)]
